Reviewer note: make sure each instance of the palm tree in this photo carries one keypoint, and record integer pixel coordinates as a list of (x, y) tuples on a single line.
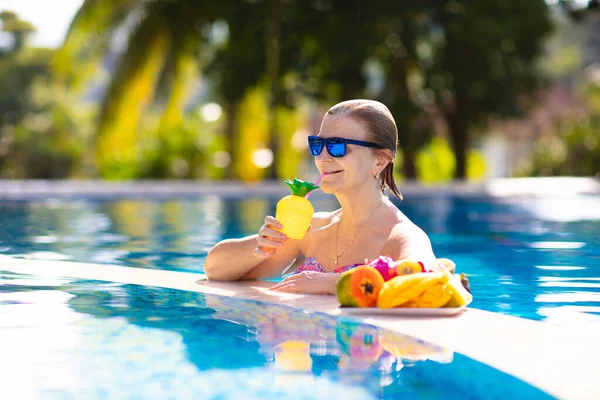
[(156, 69)]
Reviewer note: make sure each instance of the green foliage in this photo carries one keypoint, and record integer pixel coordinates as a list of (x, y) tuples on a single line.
[(289, 123), (575, 148), (252, 134), (436, 163), (476, 167), (17, 73), (18, 28), (42, 129), (52, 140), (484, 63), (465, 62), (182, 152), (575, 151)]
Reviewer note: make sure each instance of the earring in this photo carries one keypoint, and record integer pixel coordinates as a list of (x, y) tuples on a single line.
[(376, 176)]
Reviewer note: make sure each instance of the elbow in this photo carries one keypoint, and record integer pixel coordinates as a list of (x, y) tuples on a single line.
[(211, 269), (212, 273), (214, 266)]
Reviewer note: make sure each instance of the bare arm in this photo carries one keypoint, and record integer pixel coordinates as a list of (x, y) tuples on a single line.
[(410, 243), (235, 259), (264, 255)]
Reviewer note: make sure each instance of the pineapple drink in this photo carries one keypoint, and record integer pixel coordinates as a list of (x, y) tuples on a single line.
[(295, 212)]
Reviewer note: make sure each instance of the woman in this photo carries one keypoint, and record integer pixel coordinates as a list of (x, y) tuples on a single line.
[(355, 149)]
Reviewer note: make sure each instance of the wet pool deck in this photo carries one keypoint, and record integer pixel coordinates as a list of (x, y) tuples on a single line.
[(563, 361)]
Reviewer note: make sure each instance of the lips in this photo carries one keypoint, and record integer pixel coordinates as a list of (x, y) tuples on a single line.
[(333, 172)]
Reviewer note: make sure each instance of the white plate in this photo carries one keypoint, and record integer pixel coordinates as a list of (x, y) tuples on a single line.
[(415, 312)]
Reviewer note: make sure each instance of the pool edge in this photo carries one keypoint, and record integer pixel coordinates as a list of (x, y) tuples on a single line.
[(558, 360)]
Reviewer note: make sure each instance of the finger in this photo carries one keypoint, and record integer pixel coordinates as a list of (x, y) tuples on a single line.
[(259, 252), (285, 281), (272, 233), (271, 221), (447, 264), (268, 242), (289, 288), (290, 280), (264, 252)]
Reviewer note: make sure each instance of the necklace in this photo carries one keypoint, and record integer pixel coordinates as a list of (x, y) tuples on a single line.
[(337, 257)]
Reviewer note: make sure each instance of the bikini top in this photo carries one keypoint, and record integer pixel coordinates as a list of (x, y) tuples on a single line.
[(311, 264)]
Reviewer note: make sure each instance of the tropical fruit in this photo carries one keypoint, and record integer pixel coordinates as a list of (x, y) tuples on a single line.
[(342, 290), (388, 268), (384, 265), (460, 295), (435, 296), (294, 211), (403, 289), (359, 287), (406, 267)]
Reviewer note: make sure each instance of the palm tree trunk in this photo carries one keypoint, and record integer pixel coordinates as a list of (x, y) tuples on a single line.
[(459, 137), (409, 168), (402, 106)]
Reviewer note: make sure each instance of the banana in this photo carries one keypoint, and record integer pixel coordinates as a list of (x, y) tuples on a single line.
[(402, 289), (436, 296), (460, 295)]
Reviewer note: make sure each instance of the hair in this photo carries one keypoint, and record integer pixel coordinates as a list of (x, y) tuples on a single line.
[(381, 129)]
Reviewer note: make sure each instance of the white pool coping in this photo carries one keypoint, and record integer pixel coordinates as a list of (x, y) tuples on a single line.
[(500, 187), (563, 362)]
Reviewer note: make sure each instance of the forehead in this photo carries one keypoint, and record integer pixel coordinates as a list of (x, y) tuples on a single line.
[(342, 126)]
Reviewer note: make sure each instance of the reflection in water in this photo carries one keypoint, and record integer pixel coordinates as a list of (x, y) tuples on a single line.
[(151, 337), (133, 218)]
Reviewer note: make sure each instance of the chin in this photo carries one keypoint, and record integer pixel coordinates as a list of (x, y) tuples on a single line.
[(326, 188)]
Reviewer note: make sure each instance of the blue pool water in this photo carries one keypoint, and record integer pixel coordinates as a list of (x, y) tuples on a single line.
[(66, 338), (537, 258)]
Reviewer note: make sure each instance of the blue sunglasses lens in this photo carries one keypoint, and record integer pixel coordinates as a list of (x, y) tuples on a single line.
[(315, 146), (335, 146)]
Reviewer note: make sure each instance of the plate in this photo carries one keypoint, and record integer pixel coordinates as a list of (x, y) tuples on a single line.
[(399, 311)]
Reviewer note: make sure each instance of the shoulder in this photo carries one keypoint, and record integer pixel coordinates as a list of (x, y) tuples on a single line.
[(407, 240), (318, 232), (322, 218)]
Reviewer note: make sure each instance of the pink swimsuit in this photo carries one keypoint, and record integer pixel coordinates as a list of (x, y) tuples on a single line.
[(311, 264)]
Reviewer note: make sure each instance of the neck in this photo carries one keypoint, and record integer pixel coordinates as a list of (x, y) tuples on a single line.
[(358, 207)]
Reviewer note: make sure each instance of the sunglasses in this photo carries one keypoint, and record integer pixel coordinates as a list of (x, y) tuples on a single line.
[(336, 147)]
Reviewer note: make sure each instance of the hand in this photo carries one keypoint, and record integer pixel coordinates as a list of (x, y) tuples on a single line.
[(269, 238), (310, 282), (447, 264)]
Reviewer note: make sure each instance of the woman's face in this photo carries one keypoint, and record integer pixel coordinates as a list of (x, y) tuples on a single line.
[(354, 169)]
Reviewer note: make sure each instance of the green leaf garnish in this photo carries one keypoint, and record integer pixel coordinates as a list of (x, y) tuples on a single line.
[(300, 188)]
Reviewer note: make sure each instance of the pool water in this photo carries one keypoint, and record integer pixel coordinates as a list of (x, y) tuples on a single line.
[(533, 257), (66, 338)]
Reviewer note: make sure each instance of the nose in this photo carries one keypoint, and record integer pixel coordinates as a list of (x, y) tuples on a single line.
[(322, 159), (324, 155)]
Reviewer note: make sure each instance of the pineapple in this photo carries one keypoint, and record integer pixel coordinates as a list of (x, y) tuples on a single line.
[(295, 212)]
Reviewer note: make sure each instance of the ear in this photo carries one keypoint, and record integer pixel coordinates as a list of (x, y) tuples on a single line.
[(382, 158)]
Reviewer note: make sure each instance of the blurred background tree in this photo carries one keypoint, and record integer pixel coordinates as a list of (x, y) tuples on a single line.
[(40, 128), (231, 89), (574, 149)]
